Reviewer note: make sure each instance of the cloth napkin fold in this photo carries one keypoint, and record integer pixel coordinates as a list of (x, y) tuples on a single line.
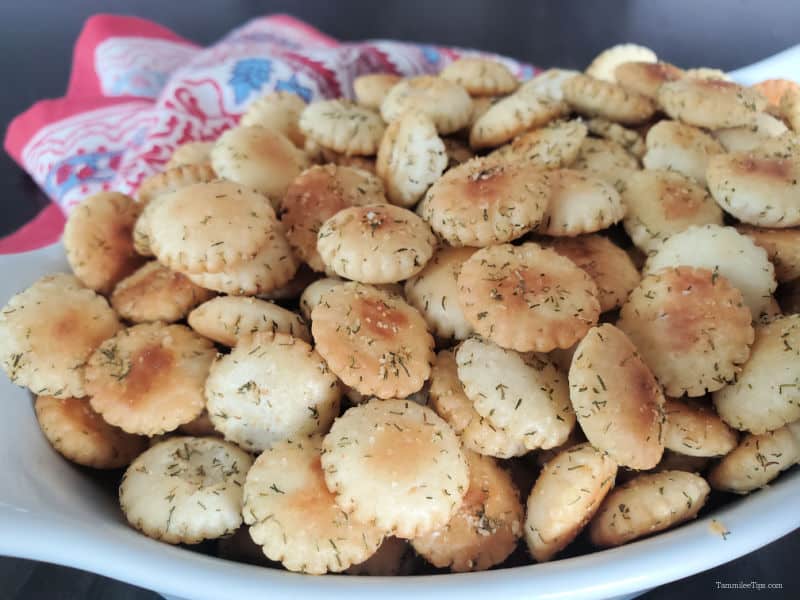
[(137, 90)]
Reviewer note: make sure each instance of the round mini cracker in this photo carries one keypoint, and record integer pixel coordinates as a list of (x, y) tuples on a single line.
[(755, 190), (662, 203), (510, 116), (343, 126), (565, 497), (373, 341), (645, 77), (607, 264), (691, 326), (606, 160), (446, 103), (411, 157), (480, 76), (676, 146), (766, 394), (277, 110), (782, 246), (527, 297), (316, 195), (604, 65), (370, 90), (208, 227), (227, 319), (523, 394), (597, 98), (270, 388), (448, 399), (616, 397), (294, 517), (156, 293), (190, 153), (173, 179), (757, 460), (485, 530), (579, 202), (710, 103), (434, 293), (184, 490), (98, 242), (480, 203), (148, 379), (397, 464), (694, 429), (48, 331), (258, 158), (725, 251), (553, 146), (647, 504), (273, 267), (376, 243), (81, 435)]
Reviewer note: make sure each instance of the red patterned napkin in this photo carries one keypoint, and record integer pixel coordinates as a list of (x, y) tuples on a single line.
[(137, 90)]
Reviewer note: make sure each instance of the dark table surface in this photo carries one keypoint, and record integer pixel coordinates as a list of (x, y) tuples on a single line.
[(35, 55)]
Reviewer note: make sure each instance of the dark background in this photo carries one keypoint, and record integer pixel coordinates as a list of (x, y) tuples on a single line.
[(36, 38)]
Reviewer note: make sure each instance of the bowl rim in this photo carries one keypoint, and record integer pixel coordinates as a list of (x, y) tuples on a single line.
[(115, 550)]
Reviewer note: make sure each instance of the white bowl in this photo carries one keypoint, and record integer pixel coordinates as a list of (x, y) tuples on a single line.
[(52, 511)]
